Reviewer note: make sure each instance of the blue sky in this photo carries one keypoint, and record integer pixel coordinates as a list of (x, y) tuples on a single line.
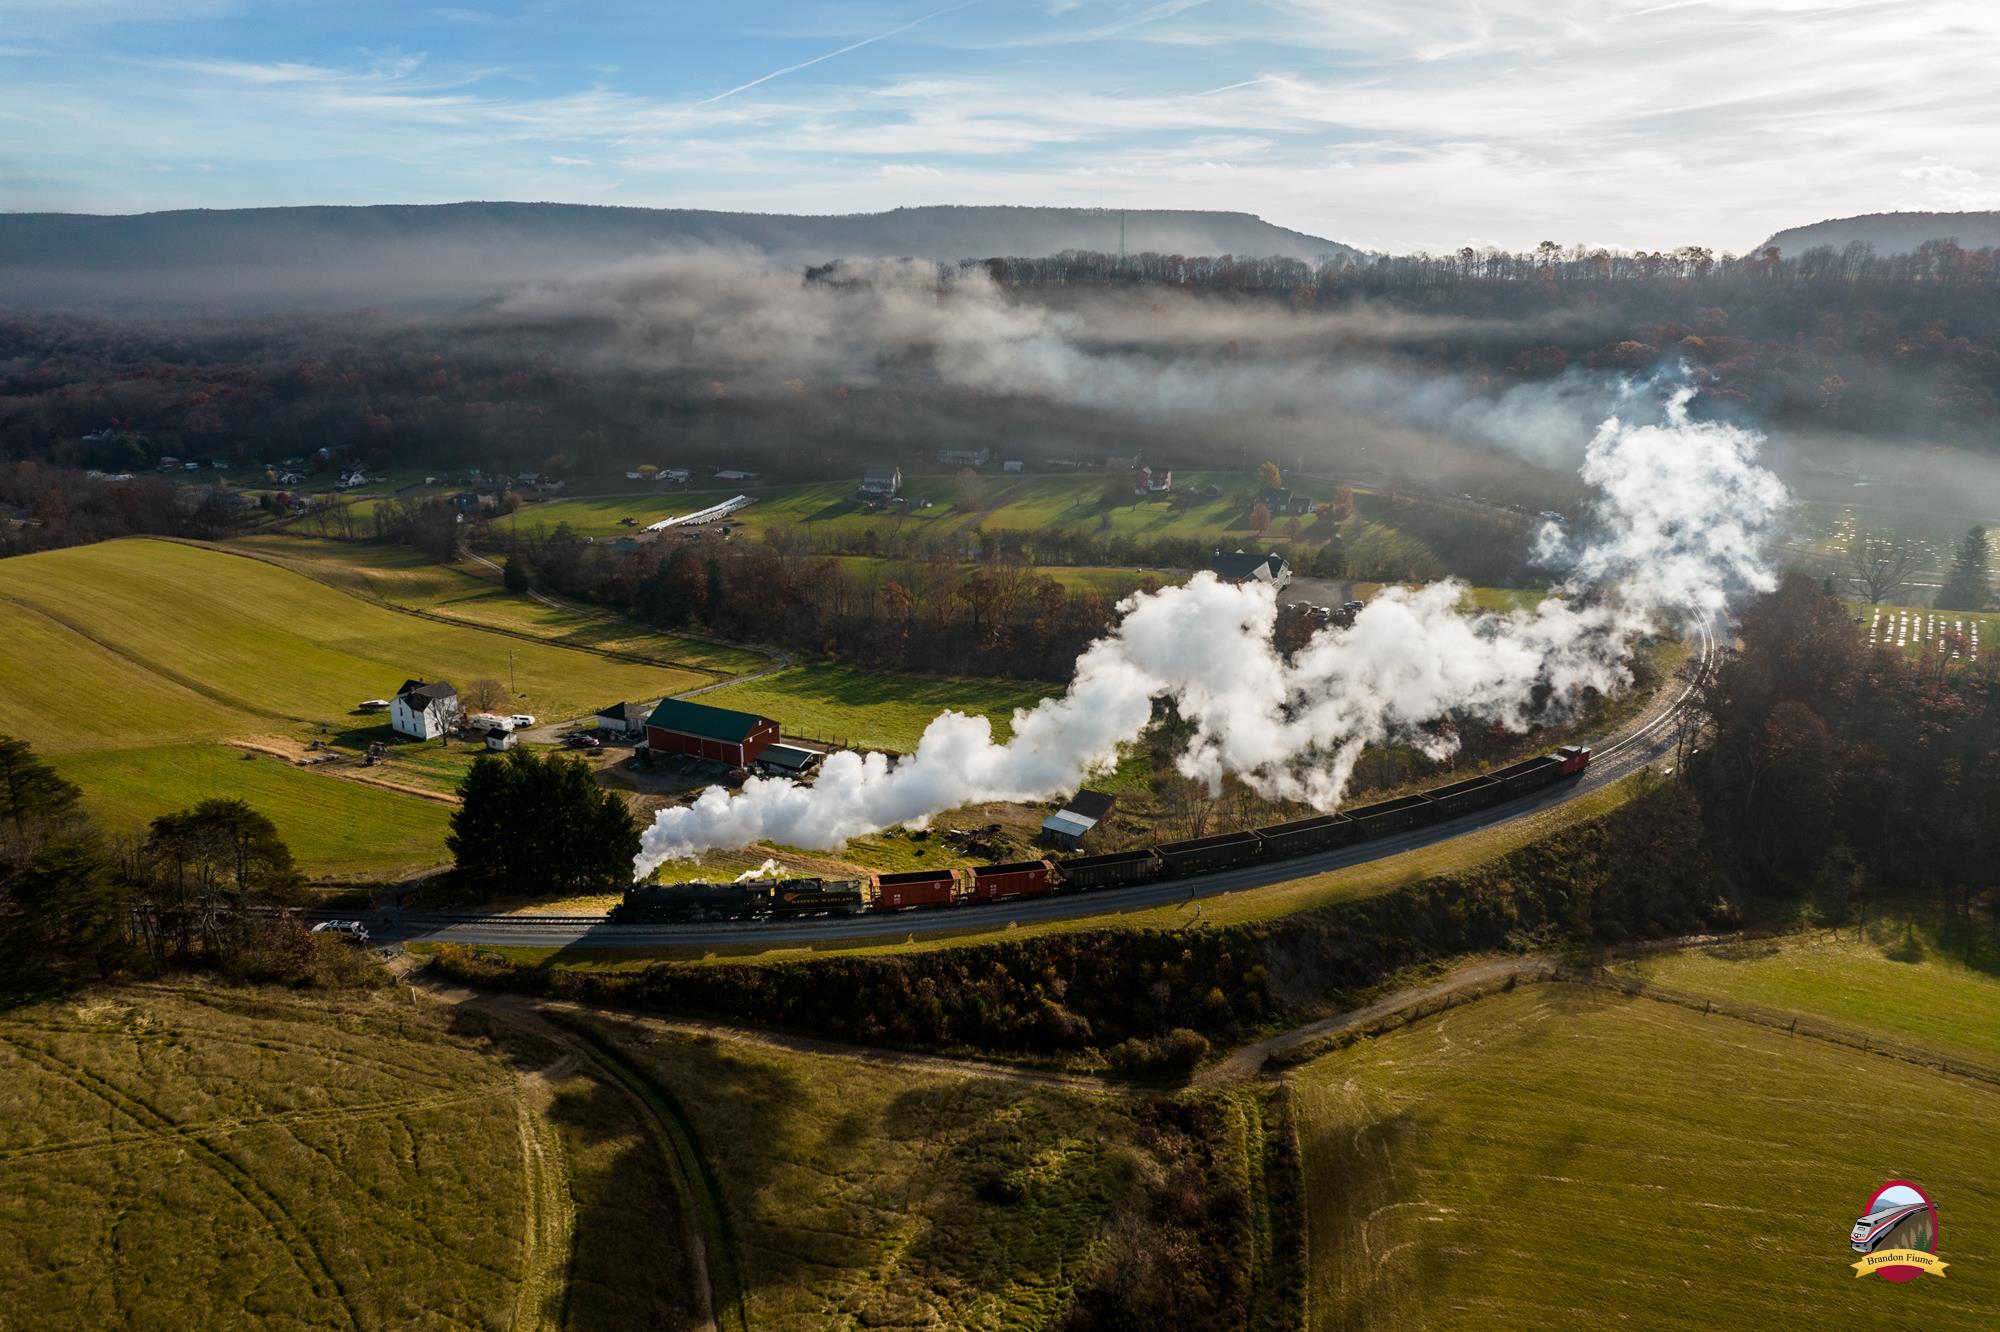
[(1388, 124)]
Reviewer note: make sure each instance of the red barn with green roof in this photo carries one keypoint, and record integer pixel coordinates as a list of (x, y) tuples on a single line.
[(735, 738)]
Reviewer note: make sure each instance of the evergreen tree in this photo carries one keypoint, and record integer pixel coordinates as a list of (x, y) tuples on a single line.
[(541, 824), (35, 800), (515, 576), (1969, 586), (67, 908)]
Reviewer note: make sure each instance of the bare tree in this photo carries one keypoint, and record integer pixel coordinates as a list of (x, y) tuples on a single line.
[(1878, 567), (484, 695)]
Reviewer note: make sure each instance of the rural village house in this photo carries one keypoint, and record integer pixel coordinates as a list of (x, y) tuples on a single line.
[(425, 711), (1240, 568)]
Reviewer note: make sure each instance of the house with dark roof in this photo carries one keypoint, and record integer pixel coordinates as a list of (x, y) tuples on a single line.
[(425, 711), (1236, 567), (882, 482), (677, 726)]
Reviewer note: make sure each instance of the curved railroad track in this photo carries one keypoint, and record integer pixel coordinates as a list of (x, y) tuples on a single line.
[(1644, 741)]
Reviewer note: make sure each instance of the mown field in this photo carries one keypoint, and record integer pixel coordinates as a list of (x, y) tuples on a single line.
[(1561, 1157), (1892, 982), (128, 661), (265, 646), (472, 593), (335, 828), (872, 709)]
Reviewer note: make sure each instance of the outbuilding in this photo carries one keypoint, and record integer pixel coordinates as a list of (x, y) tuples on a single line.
[(735, 738), (787, 761), (1067, 827), (622, 718)]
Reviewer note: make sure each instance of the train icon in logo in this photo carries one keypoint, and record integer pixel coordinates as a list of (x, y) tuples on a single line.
[(1897, 1234)]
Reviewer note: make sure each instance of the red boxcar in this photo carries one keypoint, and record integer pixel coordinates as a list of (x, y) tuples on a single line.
[(918, 888), (1026, 878), (1574, 758)]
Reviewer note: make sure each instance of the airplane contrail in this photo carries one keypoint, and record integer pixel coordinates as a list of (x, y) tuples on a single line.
[(852, 46)]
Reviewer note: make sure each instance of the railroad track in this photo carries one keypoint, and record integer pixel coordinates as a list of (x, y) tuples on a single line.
[(1648, 739)]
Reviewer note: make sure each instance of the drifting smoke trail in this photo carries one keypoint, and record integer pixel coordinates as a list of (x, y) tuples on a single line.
[(1682, 514)]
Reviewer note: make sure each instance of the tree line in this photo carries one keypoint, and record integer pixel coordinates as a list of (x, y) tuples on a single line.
[(1852, 776), (200, 888), (939, 615)]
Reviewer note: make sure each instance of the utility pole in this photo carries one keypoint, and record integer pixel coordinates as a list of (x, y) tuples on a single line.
[(1121, 235), (510, 673)]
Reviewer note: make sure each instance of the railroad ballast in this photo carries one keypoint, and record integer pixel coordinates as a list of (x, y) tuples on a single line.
[(756, 899)]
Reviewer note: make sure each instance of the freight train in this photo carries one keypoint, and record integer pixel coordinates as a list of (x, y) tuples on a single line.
[(766, 899)]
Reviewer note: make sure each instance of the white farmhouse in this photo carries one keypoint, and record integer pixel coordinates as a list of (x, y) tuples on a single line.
[(425, 711)]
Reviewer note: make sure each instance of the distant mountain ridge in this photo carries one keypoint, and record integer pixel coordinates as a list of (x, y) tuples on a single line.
[(412, 254), (1892, 233)]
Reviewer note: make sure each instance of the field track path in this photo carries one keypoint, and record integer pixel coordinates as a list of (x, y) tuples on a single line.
[(721, 1301), (297, 1242), (549, 1234)]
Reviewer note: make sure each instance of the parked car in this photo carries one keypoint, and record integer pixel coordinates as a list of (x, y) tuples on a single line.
[(372, 705), (523, 719), (584, 740), (347, 929)]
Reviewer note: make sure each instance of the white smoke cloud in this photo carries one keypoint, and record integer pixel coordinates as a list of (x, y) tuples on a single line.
[(1682, 511)]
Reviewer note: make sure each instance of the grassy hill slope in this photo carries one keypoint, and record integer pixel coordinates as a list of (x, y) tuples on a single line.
[(127, 661), (1558, 1157)]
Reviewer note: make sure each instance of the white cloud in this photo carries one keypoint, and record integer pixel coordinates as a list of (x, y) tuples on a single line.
[(1372, 121)]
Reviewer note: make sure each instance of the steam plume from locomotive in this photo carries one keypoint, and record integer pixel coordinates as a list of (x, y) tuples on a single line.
[(1681, 518)]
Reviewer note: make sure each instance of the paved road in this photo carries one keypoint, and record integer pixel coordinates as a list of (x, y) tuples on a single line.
[(1644, 741)]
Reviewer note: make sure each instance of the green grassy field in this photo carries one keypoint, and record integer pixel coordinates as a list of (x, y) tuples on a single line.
[(1894, 983), (872, 709), (472, 593), (998, 502), (335, 828), (1562, 1158), (267, 646), (128, 660)]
